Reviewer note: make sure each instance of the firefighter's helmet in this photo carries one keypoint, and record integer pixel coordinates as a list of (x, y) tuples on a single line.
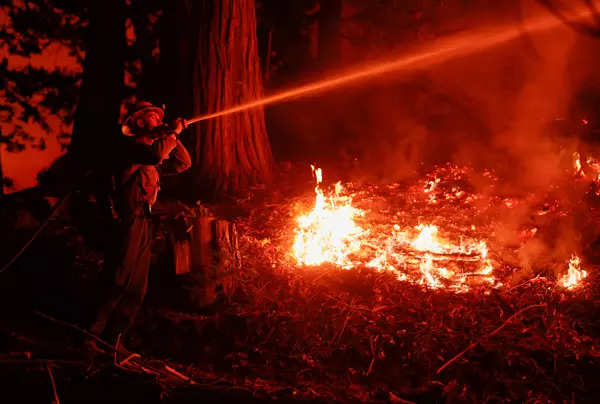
[(135, 111)]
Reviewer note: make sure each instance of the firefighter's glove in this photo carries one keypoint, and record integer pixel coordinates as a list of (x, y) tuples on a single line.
[(178, 125)]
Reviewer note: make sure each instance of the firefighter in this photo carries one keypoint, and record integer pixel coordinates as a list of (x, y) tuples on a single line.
[(148, 148)]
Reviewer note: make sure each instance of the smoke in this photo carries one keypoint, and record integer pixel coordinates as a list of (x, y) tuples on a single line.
[(514, 108)]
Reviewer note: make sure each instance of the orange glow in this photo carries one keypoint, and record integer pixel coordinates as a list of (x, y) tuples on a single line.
[(573, 277), (439, 52), (451, 255), (329, 233), (577, 165)]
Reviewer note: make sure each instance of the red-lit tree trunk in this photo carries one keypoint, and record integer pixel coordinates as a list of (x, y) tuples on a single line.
[(232, 152)]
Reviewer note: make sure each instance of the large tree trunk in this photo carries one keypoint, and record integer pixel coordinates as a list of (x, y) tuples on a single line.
[(231, 152), (97, 114)]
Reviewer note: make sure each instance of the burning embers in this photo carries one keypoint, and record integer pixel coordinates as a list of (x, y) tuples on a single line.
[(442, 262), (591, 171), (330, 233), (451, 254)]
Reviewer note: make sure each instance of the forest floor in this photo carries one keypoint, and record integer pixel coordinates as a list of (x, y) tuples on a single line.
[(293, 333)]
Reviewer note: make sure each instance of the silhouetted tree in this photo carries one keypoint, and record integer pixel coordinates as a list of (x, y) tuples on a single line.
[(102, 87), (37, 94)]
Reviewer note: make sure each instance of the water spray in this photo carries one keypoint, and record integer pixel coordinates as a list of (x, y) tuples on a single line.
[(450, 48)]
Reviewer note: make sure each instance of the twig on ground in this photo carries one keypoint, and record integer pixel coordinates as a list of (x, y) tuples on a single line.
[(75, 327), (49, 367), (491, 334), (116, 350), (372, 346), (524, 283), (371, 366), (100, 340), (180, 375), (394, 399), (129, 358), (337, 338), (12, 362)]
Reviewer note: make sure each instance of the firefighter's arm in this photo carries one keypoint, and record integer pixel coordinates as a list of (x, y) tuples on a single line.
[(180, 158), (163, 146)]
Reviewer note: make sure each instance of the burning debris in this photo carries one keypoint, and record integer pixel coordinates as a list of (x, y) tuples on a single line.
[(328, 233), (572, 279), (415, 278), (430, 239)]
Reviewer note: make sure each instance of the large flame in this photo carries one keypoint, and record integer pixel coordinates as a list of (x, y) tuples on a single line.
[(573, 277), (443, 249), (329, 233)]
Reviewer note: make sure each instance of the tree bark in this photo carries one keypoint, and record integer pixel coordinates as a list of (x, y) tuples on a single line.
[(231, 152), (102, 87)]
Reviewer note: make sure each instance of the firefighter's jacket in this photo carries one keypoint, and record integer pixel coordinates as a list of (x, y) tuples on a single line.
[(138, 179)]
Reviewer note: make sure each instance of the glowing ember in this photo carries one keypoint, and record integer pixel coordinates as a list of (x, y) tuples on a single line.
[(439, 254), (572, 278)]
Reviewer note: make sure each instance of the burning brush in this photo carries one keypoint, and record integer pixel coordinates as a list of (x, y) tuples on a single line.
[(446, 254)]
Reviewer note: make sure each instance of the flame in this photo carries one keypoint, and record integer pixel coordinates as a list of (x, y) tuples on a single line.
[(427, 239), (439, 250), (436, 256), (328, 233), (577, 165), (573, 277), (430, 185)]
